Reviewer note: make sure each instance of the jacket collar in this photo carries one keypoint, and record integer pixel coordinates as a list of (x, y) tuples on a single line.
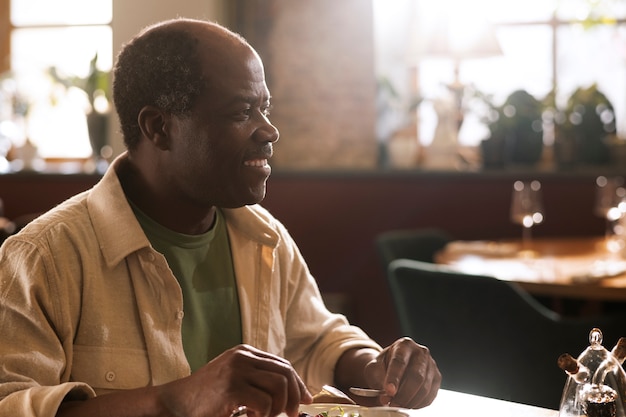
[(115, 225), (254, 222)]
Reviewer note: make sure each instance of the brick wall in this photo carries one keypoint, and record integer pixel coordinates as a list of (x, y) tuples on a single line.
[(319, 58)]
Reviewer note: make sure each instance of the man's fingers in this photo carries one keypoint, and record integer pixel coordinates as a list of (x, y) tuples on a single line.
[(275, 377), (398, 358), (304, 392), (408, 374)]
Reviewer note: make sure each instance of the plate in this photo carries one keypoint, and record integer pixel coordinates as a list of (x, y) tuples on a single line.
[(335, 410)]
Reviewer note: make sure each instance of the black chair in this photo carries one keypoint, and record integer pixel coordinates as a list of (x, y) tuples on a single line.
[(489, 337), (418, 244)]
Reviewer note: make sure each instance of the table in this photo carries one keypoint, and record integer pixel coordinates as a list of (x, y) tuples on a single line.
[(587, 268), (451, 403)]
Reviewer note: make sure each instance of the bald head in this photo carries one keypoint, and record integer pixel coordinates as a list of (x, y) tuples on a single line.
[(209, 33), (163, 67)]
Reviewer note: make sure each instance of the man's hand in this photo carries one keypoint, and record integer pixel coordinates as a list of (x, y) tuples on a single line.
[(242, 376), (266, 384), (407, 372)]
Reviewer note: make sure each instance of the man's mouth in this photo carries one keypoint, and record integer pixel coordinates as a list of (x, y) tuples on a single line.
[(255, 163)]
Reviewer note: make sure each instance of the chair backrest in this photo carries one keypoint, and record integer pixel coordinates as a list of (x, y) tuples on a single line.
[(418, 244), (488, 336)]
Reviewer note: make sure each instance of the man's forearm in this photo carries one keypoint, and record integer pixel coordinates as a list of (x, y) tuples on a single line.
[(141, 402)]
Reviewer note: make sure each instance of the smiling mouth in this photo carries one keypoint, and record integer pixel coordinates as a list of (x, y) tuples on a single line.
[(256, 163)]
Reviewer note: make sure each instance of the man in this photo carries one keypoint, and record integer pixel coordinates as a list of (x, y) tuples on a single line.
[(92, 292)]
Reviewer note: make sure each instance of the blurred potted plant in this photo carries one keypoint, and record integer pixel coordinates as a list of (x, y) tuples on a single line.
[(96, 87), (584, 129), (516, 131)]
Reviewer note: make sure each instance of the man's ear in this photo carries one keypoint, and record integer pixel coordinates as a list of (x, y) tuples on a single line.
[(152, 122)]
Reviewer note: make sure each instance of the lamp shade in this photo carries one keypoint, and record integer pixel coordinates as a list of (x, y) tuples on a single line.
[(461, 42)]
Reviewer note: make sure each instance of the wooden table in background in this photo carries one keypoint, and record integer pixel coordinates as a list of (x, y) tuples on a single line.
[(580, 268)]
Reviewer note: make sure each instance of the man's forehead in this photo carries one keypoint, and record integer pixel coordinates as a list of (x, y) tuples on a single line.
[(238, 63), (216, 38)]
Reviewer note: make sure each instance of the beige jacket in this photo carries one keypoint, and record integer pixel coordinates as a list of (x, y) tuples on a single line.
[(87, 306)]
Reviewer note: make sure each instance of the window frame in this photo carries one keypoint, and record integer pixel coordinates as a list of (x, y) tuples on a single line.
[(555, 23), (7, 31)]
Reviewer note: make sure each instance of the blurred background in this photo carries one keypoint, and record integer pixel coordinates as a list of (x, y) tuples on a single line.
[(395, 114), (372, 84)]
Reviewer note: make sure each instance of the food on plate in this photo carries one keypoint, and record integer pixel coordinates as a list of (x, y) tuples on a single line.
[(332, 412), (347, 410)]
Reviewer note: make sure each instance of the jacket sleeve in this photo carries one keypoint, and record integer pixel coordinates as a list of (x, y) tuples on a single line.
[(316, 338), (35, 347), (42, 401)]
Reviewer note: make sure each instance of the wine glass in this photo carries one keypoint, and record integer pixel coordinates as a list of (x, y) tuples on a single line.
[(526, 208), (610, 204)]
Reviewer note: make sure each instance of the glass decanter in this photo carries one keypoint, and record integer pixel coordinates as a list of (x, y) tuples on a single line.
[(596, 386)]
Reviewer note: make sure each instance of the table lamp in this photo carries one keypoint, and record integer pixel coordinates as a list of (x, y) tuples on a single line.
[(457, 43)]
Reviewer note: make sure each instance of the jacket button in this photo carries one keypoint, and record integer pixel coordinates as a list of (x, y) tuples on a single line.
[(151, 257), (110, 376), (180, 314)]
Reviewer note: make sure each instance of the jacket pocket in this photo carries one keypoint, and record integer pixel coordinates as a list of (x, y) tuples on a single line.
[(110, 368)]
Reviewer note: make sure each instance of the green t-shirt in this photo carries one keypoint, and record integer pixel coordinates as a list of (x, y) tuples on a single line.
[(203, 266)]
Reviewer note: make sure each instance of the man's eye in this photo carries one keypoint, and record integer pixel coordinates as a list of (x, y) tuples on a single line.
[(248, 112), (242, 114)]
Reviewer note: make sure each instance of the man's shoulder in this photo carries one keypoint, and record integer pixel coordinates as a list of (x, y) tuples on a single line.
[(72, 211)]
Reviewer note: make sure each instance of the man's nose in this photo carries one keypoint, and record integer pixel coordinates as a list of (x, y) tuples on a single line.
[(267, 133)]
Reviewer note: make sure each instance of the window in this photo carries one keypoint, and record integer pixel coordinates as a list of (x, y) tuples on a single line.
[(541, 45), (52, 45)]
